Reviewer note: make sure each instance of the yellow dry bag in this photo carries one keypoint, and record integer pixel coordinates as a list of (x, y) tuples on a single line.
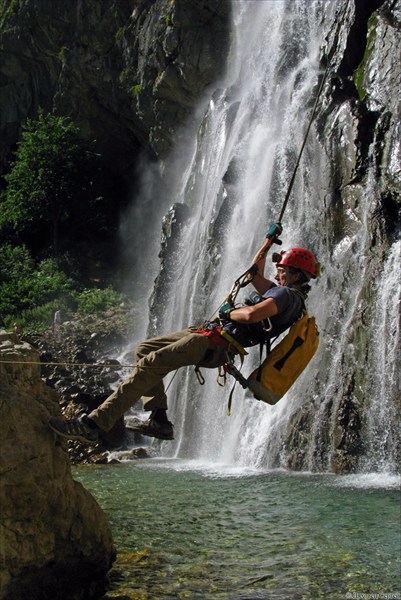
[(286, 361)]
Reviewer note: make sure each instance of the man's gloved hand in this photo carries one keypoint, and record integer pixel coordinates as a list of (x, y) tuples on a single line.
[(224, 311), (275, 229)]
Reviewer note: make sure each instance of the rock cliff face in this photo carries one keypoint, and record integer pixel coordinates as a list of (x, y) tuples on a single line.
[(55, 540), (166, 280), (359, 129), (128, 72)]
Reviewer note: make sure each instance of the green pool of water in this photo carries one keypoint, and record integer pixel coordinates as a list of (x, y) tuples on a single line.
[(186, 530)]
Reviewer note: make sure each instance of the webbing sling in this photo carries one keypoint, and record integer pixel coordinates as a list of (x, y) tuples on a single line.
[(230, 368), (219, 337), (216, 334), (240, 349)]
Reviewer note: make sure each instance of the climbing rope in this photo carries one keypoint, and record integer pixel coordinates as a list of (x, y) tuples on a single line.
[(291, 184), (247, 276), (75, 364)]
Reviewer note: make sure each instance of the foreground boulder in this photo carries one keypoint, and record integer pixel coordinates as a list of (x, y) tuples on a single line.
[(55, 540)]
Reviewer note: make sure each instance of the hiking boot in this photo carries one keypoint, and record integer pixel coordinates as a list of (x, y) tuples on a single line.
[(75, 429), (151, 428)]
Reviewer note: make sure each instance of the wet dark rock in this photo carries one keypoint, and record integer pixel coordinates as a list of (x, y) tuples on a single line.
[(347, 437), (170, 259), (129, 73), (357, 35), (358, 125), (81, 347), (122, 456)]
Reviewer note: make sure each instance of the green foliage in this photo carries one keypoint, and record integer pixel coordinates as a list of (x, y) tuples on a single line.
[(51, 207), (25, 286), (39, 318), (9, 10), (63, 53), (31, 293), (359, 74), (15, 262), (120, 34), (135, 90), (96, 300), (46, 184), (126, 74)]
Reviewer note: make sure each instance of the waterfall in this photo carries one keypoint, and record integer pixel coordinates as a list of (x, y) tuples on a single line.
[(234, 179), (244, 155), (381, 418)]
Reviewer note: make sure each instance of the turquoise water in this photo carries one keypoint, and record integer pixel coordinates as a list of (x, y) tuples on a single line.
[(186, 530)]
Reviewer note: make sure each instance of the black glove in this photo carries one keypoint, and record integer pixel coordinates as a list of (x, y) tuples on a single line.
[(224, 311)]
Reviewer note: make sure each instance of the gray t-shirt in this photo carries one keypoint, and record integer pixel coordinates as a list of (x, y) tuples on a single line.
[(289, 305)]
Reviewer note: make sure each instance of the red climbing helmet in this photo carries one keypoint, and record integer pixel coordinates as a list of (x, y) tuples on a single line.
[(299, 258)]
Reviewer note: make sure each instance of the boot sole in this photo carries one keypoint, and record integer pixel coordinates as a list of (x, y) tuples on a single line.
[(77, 437)]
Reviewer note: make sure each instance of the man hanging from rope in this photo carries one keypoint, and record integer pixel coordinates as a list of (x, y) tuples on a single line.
[(277, 307)]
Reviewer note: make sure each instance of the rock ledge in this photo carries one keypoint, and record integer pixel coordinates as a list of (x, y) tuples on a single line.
[(55, 539)]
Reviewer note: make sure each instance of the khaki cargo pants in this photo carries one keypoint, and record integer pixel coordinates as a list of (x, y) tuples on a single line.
[(155, 358)]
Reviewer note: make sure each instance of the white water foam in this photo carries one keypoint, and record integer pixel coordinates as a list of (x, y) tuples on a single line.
[(370, 480)]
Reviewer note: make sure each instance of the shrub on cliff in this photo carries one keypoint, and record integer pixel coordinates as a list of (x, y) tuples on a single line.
[(95, 300), (50, 188), (31, 292)]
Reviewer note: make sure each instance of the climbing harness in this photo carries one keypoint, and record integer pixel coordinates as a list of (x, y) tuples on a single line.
[(220, 338)]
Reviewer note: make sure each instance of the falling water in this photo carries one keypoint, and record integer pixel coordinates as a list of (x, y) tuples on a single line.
[(234, 180), (381, 437)]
